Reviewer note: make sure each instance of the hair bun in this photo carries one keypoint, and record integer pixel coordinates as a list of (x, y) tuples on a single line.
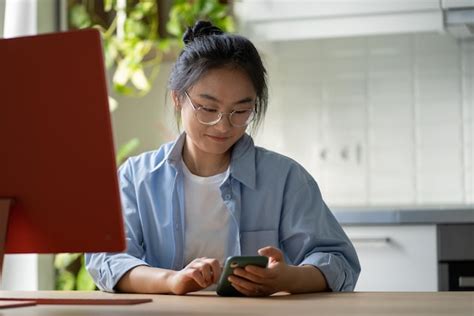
[(200, 29)]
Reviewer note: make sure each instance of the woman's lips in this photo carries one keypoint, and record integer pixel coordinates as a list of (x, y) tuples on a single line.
[(218, 138)]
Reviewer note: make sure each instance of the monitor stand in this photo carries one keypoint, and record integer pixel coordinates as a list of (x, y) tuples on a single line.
[(5, 205), (8, 302)]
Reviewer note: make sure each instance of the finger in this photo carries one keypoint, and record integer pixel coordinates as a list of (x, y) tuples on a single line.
[(216, 270), (196, 275), (272, 252), (211, 269), (206, 271), (261, 273), (242, 290), (244, 273), (257, 291), (250, 286)]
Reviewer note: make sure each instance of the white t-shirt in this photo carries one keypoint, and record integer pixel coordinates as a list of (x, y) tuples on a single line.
[(206, 217)]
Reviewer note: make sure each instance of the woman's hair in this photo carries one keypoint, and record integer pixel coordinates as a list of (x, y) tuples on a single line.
[(207, 47)]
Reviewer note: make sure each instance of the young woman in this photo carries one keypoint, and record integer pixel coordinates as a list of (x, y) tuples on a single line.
[(212, 193)]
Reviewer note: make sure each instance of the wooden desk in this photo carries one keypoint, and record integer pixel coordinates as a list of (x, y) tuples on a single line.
[(207, 303)]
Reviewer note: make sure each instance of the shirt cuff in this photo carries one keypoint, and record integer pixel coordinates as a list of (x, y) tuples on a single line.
[(108, 271), (333, 269)]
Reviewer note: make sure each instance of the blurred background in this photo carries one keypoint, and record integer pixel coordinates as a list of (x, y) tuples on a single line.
[(374, 98)]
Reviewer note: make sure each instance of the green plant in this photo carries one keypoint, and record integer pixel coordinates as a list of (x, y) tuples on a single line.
[(132, 45), (133, 52), (184, 13), (130, 34), (71, 273)]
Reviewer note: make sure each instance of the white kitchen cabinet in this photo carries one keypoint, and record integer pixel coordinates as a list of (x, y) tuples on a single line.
[(438, 112), (396, 257), (390, 128), (342, 159), (455, 4), (468, 110), (277, 20)]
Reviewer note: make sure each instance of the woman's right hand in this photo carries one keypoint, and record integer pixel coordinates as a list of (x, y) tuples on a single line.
[(197, 275)]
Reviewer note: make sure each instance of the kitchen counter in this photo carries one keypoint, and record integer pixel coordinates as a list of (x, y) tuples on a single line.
[(402, 215)]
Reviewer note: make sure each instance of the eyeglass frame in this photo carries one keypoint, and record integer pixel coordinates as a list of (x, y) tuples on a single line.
[(221, 114)]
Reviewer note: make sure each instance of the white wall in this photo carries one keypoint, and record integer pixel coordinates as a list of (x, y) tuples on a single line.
[(149, 118), (27, 272), (2, 16), (376, 120)]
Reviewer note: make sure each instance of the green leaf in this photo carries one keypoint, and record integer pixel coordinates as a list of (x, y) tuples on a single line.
[(173, 27), (111, 52), (113, 104), (108, 4), (164, 44), (181, 16), (228, 24), (143, 9), (140, 81), (123, 89), (79, 17), (123, 72), (146, 7), (84, 280), (64, 260), (126, 150), (65, 281)]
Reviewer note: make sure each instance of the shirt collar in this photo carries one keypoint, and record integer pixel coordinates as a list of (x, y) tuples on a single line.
[(174, 155), (242, 163)]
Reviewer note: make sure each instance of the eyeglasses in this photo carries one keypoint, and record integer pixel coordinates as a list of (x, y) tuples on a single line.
[(210, 116)]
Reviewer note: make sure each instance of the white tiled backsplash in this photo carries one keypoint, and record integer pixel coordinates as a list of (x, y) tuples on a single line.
[(376, 120)]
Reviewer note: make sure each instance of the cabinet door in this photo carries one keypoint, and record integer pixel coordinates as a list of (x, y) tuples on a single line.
[(396, 258)]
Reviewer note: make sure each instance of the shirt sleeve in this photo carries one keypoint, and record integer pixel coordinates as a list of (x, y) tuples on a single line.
[(311, 235), (107, 269)]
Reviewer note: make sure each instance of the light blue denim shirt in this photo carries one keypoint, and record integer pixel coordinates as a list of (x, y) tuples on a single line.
[(272, 201)]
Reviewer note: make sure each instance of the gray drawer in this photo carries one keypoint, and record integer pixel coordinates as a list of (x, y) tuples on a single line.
[(455, 242)]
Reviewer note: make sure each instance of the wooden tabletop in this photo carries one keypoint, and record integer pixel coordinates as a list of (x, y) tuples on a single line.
[(207, 303)]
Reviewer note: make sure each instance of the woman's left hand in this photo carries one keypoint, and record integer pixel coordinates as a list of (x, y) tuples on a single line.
[(257, 281)]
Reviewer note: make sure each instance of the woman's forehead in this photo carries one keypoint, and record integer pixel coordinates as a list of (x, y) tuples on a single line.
[(224, 84)]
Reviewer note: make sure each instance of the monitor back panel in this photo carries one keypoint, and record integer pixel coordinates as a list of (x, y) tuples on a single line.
[(57, 156)]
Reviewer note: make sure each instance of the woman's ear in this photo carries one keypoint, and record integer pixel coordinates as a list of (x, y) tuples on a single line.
[(176, 103)]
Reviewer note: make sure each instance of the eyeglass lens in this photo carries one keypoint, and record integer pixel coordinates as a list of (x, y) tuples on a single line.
[(237, 118)]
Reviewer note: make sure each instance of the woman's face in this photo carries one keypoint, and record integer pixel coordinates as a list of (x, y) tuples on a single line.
[(225, 90)]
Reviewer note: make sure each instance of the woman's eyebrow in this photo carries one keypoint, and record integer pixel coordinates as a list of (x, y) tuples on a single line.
[(212, 98)]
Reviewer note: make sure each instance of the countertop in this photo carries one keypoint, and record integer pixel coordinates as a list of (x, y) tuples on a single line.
[(401, 215), (207, 303)]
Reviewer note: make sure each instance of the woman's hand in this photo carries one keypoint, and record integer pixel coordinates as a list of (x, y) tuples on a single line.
[(277, 276), (257, 281), (197, 275)]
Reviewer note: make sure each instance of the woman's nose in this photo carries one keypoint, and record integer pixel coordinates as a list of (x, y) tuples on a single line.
[(224, 124)]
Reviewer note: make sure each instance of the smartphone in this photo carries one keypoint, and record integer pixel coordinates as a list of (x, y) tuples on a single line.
[(224, 288)]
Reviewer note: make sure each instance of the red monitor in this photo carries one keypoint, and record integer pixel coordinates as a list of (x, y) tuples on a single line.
[(57, 161)]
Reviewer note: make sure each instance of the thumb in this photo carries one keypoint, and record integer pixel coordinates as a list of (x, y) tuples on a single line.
[(273, 253)]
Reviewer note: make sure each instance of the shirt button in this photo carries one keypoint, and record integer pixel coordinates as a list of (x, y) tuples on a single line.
[(227, 197)]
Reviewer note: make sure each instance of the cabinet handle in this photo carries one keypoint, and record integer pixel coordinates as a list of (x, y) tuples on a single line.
[(465, 281), (371, 240)]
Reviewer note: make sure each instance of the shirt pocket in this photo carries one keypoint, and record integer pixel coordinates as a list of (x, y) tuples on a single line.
[(250, 242)]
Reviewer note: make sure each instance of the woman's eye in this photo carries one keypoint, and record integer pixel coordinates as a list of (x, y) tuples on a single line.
[(209, 110), (241, 111)]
